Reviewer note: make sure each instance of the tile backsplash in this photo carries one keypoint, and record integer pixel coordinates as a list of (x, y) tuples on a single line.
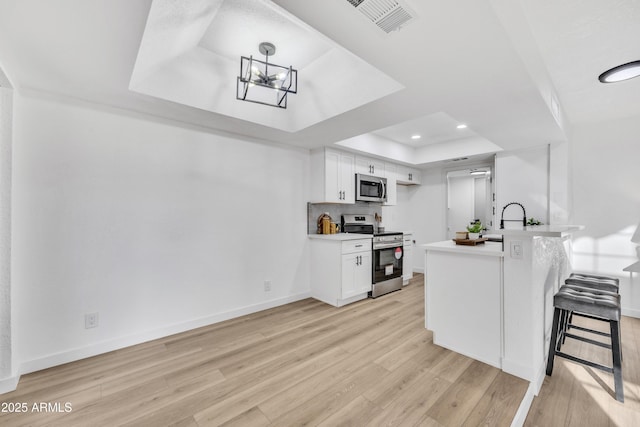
[(336, 210)]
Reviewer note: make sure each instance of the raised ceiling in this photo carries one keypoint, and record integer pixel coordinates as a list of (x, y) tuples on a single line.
[(518, 72), (190, 54)]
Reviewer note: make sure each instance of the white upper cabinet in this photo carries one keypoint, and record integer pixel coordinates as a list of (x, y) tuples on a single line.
[(391, 173), (407, 175), (333, 176), (369, 166)]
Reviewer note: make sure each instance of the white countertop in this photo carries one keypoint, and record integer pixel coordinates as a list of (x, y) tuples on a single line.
[(486, 248), (540, 230), (340, 237)]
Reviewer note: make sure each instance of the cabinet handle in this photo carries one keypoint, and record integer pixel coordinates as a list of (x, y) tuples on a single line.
[(358, 246), (410, 177), (373, 169)]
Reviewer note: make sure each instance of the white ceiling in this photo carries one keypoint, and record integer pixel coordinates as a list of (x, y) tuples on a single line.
[(191, 55), (517, 72)]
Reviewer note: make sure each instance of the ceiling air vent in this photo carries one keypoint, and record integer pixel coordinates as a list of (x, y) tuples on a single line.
[(388, 15)]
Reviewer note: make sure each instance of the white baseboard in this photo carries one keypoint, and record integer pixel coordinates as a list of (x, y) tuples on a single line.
[(527, 400), (129, 340), (630, 312), (523, 409), (8, 384), (519, 370)]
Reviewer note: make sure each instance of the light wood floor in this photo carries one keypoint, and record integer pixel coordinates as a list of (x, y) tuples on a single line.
[(576, 395), (306, 363)]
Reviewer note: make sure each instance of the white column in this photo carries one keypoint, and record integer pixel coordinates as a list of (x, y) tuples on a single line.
[(534, 267)]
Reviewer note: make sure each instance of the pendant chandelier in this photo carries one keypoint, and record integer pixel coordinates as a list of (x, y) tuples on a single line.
[(263, 82)]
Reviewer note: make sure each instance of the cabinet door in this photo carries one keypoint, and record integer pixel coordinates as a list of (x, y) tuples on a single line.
[(369, 166), (408, 175), (356, 274), (339, 177), (332, 176), (407, 263), (363, 165), (391, 173), (415, 176), (363, 275), (347, 178)]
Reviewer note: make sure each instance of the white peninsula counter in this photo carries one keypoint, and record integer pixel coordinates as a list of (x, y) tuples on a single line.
[(494, 301), (463, 295)]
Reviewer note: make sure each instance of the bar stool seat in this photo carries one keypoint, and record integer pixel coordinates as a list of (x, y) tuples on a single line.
[(611, 284), (597, 304)]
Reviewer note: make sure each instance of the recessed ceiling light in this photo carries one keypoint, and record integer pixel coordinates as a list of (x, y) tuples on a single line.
[(621, 72), (461, 126), (415, 136)]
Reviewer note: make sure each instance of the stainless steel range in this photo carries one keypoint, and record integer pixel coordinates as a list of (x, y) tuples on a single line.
[(387, 253)]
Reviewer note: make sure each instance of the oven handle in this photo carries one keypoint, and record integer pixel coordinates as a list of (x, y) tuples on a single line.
[(386, 246)]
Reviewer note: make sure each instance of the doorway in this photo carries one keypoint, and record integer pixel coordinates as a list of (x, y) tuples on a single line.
[(469, 199)]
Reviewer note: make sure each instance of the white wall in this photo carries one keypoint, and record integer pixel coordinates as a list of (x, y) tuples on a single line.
[(157, 227), (606, 200), (422, 210), (522, 176), (6, 114)]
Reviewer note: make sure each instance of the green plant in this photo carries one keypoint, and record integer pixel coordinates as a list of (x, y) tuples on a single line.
[(475, 227), (533, 221)]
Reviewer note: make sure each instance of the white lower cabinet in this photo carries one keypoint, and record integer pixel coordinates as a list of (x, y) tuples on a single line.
[(407, 261), (340, 270), (356, 274)]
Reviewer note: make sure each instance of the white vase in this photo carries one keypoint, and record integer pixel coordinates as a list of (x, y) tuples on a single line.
[(474, 236)]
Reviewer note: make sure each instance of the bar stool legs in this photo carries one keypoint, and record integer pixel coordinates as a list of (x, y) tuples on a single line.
[(616, 348), (599, 305), (554, 344)]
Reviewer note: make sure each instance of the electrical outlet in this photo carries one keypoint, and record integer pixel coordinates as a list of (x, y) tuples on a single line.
[(90, 320), (516, 249), (267, 285)]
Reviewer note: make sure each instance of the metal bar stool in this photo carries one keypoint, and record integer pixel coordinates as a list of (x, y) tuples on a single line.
[(606, 283), (596, 304)]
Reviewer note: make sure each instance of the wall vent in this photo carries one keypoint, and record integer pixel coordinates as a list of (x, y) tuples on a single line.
[(388, 15)]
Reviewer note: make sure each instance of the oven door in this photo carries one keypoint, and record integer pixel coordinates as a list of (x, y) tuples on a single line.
[(387, 263)]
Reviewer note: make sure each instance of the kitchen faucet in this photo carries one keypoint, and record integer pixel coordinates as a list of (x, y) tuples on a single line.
[(524, 215)]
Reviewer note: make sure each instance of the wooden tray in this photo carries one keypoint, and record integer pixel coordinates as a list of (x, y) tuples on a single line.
[(469, 242)]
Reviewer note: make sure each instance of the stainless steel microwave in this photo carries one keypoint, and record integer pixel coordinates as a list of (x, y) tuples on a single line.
[(371, 188)]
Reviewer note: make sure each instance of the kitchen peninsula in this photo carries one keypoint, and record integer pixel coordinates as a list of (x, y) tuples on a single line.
[(494, 302)]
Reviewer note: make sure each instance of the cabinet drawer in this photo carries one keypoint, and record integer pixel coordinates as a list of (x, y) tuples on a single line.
[(351, 246)]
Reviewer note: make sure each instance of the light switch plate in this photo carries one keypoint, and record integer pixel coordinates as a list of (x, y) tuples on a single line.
[(516, 249)]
